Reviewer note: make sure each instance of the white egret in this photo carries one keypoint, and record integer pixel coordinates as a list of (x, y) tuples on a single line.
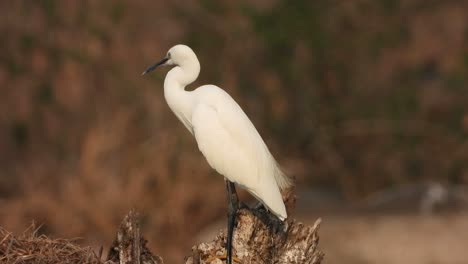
[(225, 135)]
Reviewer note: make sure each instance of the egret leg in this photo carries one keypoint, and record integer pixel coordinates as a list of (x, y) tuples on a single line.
[(233, 206)]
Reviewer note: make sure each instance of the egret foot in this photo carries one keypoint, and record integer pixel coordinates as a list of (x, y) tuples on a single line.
[(222, 257), (259, 206), (276, 224), (268, 218)]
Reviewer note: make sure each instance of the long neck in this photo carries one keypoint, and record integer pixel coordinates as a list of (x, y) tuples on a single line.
[(181, 101)]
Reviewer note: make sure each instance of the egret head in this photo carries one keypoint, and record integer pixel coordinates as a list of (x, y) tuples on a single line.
[(179, 55)]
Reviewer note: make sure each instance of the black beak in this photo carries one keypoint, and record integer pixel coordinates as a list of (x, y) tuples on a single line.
[(154, 66)]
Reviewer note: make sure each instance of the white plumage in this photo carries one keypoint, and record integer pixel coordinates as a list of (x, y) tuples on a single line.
[(224, 133)]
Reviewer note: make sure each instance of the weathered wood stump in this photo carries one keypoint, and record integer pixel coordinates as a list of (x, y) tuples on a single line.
[(256, 242), (129, 247), (253, 242)]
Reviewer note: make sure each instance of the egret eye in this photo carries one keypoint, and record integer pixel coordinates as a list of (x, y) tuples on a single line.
[(168, 55)]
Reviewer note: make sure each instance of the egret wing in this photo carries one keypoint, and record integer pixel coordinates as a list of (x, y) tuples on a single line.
[(233, 147), (218, 147)]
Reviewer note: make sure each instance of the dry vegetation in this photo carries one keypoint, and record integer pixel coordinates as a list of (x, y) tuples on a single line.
[(39, 249), (352, 96)]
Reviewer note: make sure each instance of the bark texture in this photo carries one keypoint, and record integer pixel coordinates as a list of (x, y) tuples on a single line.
[(129, 247), (255, 242)]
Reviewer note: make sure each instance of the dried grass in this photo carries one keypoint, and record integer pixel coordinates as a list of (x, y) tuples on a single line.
[(30, 247)]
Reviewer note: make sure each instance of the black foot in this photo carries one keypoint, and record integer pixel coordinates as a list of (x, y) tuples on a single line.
[(242, 205), (277, 226), (268, 218), (259, 206)]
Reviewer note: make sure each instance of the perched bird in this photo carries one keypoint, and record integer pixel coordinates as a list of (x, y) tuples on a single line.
[(225, 135)]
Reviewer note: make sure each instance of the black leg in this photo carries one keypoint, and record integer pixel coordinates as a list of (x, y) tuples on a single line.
[(232, 211)]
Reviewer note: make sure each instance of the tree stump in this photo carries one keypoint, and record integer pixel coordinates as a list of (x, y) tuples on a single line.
[(256, 242), (129, 247), (253, 242)]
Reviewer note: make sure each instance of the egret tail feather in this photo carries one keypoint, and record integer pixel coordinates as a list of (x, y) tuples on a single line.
[(284, 181)]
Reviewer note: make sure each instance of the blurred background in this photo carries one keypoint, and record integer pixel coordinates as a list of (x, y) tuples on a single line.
[(364, 102)]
